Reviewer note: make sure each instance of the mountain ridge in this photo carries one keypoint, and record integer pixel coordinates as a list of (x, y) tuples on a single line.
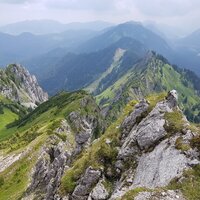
[(40, 27), (152, 74)]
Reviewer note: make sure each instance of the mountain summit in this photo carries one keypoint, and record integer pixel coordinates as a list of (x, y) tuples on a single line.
[(18, 85)]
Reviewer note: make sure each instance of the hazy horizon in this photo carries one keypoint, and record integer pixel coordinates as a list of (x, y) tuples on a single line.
[(180, 15)]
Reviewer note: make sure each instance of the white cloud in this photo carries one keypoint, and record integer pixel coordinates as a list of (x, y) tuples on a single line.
[(167, 8), (180, 13), (14, 1)]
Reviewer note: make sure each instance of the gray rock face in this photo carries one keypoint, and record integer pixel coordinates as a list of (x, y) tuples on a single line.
[(56, 156), (129, 143), (131, 120), (64, 127), (7, 160), (48, 170), (85, 127), (99, 192), (18, 85), (151, 129), (168, 195), (87, 182), (148, 132), (153, 159), (159, 167)]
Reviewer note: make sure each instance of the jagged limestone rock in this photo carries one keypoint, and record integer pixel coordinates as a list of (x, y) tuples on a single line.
[(151, 129), (99, 192), (56, 154), (7, 160), (86, 184), (129, 147), (85, 127), (172, 98), (48, 170), (159, 167), (131, 120), (152, 158), (63, 128), (19, 85)]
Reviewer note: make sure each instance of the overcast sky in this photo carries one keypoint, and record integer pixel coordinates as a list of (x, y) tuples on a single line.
[(181, 14)]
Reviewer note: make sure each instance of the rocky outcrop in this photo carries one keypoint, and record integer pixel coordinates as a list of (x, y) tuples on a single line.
[(159, 167), (148, 132), (7, 160), (48, 170), (87, 182), (99, 192), (59, 151), (85, 127), (138, 113), (155, 159), (19, 85)]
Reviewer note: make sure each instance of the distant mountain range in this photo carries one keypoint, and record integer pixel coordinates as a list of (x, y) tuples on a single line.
[(128, 35), (188, 52), (124, 70), (26, 45), (40, 27), (62, 54), (130, 29)]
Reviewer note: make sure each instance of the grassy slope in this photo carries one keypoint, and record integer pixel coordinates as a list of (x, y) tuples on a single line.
[(109, 93), (116, 62), (6, 119), (95, 155), (43, 118), (14, 180)]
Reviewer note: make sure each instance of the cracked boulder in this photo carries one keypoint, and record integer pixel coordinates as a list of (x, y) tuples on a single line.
[(86, 184)]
